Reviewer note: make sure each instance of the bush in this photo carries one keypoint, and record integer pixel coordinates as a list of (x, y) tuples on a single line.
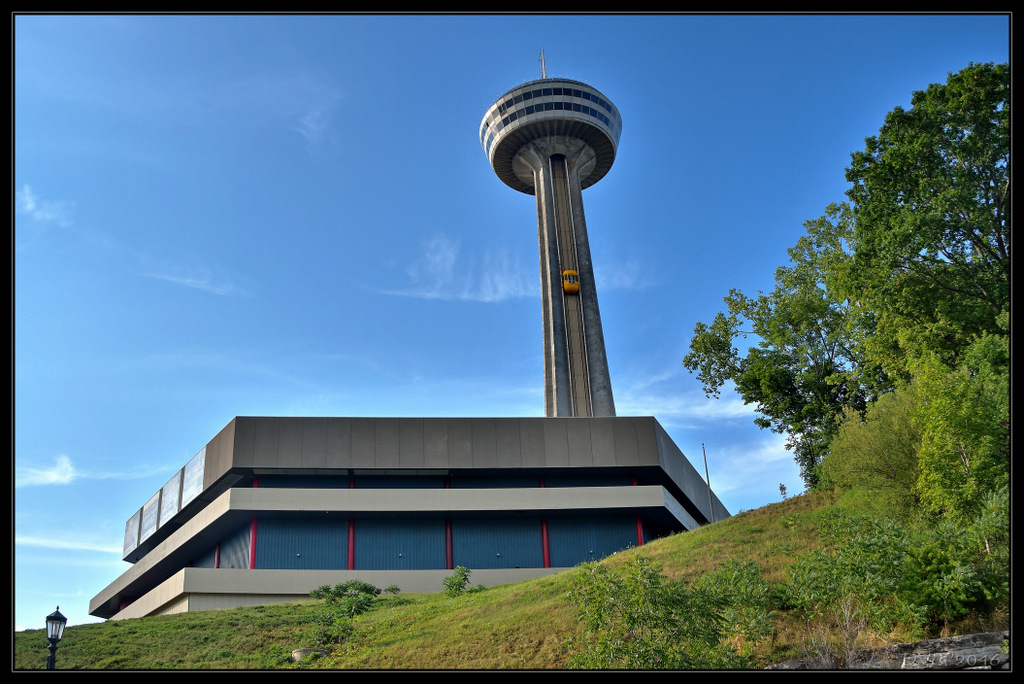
[(750, 602), (856, 581), (348, 600), (455, 583), (641, 620)]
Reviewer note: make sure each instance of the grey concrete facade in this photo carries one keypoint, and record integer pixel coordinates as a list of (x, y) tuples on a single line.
[(552, 138)]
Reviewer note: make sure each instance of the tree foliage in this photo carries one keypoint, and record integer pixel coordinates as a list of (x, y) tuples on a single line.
[(964, 414), (345, 602), (750, 601), (931, 200), (808, 365), (878, 452), (879, 572), (903, 280), (456, 583)]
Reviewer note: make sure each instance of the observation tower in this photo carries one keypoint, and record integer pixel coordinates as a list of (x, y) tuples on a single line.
[(552, 138), (273, 507)]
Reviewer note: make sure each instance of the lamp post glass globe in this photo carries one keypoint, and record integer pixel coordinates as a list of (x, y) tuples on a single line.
[(55, 623)]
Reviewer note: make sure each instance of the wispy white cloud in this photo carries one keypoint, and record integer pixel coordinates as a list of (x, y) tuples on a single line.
[(658, 393), (305, 102), (681, 408), (314, 123), (439, 273), (200, 281), (63, 472), (65, 544), (45, 211), (624, 275), (194, 276), (749, 466)]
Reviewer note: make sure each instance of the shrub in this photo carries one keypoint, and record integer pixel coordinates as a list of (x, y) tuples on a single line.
[(641, 620), (455, 583), (347, 600), (750, 601), (856, 581)]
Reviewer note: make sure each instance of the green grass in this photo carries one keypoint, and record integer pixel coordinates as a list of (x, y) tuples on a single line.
[(516, 626)]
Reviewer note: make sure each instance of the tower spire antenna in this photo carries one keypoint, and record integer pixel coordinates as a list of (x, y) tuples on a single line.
[(543, 69)]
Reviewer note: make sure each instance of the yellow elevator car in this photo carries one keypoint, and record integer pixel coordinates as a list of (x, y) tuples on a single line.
[(571, 281)]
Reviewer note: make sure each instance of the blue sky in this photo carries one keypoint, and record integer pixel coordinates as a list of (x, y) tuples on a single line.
[(292, 215)]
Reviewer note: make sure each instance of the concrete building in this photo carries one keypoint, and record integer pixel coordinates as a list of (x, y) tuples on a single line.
[(272, 508)]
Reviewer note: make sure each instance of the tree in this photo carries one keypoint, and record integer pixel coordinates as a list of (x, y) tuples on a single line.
[(456, 583), (964, 414), (878, 453), (916, 266), (808, 365), (931, 203)]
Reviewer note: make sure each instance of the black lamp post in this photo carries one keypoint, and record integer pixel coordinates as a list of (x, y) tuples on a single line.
[(54, 631)]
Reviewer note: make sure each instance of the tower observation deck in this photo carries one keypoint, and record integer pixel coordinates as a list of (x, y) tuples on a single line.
[(552, 138)]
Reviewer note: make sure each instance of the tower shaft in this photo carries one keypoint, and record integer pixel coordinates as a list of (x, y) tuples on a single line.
[(576, 377), (552, 138)]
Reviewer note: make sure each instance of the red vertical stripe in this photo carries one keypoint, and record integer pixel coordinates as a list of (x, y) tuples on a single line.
[(252, 532), (449, 553), (639, 532), (351, 544), (252, 544), (351, 532), (216, 556), (544, 545), (546, 550), (449, 550)]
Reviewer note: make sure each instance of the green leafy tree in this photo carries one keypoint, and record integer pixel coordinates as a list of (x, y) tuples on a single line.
[(915, 267), (807, 366), (640, 620), (931, 200), (988, 536), (965, 417), (749, 602), (854, 582), (877, 452)]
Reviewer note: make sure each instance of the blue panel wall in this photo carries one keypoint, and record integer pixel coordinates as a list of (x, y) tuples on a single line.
[(207, 560), (234, 549), (301, 544), (400, 544), (574, 540), (498, 543)]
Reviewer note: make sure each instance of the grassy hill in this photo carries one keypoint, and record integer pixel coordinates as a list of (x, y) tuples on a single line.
[(516, 626)]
